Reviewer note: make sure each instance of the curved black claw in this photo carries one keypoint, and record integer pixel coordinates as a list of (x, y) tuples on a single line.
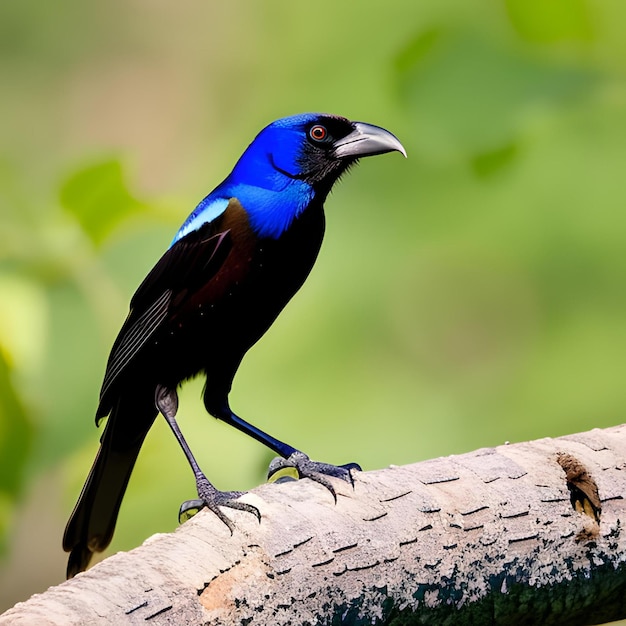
[(212, 499), (305, 468)]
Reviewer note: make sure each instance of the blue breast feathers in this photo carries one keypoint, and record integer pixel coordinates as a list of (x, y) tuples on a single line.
[(271, 212)]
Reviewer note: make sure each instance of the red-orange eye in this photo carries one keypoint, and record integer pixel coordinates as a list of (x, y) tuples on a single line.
[(318, 133)]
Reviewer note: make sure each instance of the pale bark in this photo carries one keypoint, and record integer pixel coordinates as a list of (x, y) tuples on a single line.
[(529, 533)]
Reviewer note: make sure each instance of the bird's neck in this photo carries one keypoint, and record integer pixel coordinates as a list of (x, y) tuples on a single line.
[(273, 207)]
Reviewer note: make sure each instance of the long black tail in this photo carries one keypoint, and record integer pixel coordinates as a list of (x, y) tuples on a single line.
[(91, 525)]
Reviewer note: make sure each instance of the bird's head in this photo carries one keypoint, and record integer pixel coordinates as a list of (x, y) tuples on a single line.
[(313, 148), (289, 164)]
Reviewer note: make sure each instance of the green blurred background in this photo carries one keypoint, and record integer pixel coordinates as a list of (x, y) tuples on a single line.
[(467, 296)]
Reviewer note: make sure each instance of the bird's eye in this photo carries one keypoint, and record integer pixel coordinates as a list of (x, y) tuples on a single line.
[(318, 133)]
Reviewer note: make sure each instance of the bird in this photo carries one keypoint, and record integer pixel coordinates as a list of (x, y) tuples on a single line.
[(231, 268)]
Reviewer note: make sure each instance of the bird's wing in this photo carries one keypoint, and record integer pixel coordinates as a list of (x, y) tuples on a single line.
[(190, 263)]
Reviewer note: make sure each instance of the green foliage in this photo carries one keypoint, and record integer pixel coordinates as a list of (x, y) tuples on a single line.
[(552, 21), (482, 103), (15, 444), (98, 198)]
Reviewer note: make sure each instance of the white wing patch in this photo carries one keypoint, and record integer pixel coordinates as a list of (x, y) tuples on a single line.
[(204, 213)]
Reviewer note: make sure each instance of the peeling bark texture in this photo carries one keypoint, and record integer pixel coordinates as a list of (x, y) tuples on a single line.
[(529, 533)]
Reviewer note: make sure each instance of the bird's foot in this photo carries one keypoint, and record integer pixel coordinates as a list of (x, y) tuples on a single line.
[(212, 499), (299, 465)]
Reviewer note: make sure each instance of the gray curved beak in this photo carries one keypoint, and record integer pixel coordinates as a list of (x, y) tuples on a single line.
[(367, 140)]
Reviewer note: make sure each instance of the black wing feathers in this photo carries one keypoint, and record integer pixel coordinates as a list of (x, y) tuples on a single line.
[(189, 264)]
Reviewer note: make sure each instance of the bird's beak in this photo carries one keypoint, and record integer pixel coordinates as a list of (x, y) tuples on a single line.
[(367, 140)]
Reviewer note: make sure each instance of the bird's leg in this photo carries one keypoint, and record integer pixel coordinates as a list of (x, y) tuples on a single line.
[(284, 449), (166, 401), (292, 457)]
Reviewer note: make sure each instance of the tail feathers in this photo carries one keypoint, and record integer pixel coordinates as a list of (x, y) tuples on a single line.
[(91, 525)]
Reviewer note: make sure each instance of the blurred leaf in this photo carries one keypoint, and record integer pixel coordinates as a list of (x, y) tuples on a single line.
[(471, 95), (488, 163), (98, 197), (73, 368), (15, 440), (23, 321), (549, 21), (417, 50)]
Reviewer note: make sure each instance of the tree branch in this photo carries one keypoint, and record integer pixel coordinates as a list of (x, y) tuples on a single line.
[(519, 534)]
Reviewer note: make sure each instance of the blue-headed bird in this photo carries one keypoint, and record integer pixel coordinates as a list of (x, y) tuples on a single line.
[(234, 264)]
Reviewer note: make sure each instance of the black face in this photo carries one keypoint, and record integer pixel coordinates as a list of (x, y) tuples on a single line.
[(320, 167)]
